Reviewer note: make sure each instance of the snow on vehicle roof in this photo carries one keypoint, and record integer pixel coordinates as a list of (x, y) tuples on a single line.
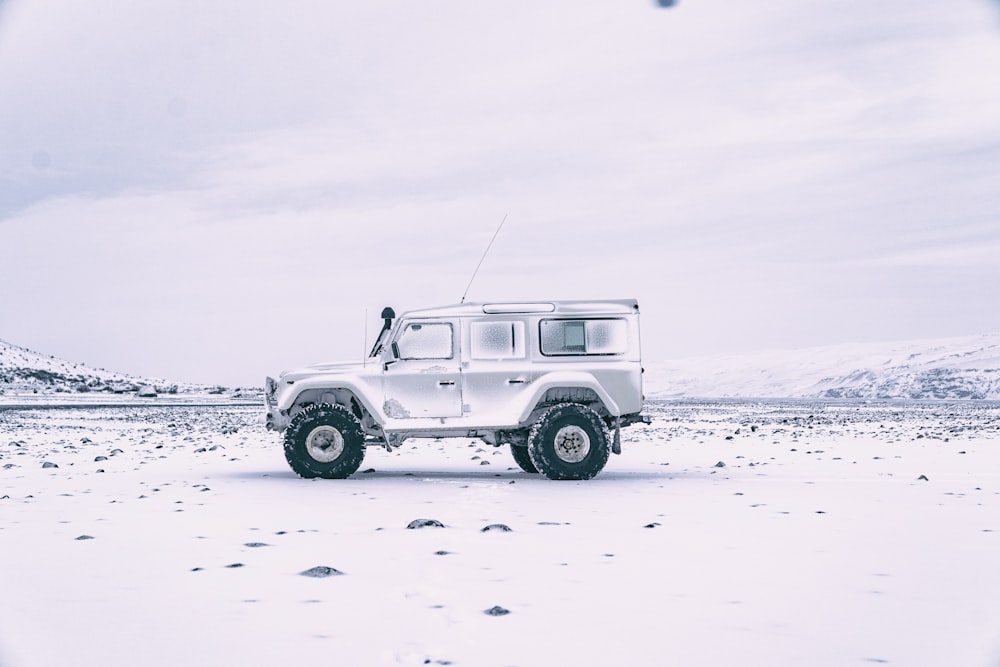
[(580, 307)]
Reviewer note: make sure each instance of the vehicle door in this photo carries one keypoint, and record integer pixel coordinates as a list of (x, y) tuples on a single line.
[(495, 367), (422, 373)]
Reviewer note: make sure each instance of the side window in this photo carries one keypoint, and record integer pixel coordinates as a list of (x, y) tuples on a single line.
[(497, 340), (569, 337), (425, 341)]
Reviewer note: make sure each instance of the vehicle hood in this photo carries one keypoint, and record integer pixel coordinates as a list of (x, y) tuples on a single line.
[(330, 368)]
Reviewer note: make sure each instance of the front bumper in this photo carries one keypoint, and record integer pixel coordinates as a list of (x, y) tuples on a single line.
[(275, 420)]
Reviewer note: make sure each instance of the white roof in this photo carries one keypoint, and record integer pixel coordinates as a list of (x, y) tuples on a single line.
[(591, 307)]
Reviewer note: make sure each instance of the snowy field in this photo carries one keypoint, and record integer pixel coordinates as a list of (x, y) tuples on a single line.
[(728, 533)]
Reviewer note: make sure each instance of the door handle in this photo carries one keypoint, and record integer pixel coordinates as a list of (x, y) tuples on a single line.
[(516, 381), (446, 383)]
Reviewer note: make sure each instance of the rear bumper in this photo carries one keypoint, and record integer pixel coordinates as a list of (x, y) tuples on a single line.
[(636, 418)]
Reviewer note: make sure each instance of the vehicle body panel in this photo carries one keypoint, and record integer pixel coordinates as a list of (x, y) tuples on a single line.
[(493, 376)]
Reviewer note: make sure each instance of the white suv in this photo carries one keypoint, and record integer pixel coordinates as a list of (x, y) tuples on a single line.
[(555, 380)]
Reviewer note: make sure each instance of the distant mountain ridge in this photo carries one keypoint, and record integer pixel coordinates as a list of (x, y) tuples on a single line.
[(24, 371), (963, 368), (966, 367)]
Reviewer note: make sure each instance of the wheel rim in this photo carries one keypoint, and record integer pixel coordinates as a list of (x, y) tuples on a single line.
[(325, 444), (572, 444)]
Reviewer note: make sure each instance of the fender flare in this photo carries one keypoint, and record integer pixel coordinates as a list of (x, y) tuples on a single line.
[(568, 380), (359, 389)]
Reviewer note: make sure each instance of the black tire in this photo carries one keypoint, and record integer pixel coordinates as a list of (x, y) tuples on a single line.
[(568, 441), (522, 458), (325, 441)]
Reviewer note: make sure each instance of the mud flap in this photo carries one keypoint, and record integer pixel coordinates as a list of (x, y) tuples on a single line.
[(616, 444)]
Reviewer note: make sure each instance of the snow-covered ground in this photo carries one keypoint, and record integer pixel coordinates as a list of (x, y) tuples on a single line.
[(728, 533)]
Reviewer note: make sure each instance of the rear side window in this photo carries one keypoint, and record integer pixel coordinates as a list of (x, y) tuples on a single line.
[(497, 340), (583, 337)]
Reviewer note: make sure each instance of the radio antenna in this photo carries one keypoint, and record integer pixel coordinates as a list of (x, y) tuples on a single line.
[(495, 234)]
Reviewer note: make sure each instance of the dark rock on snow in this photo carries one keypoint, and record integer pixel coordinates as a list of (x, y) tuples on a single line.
[(496, 610), (500, 527), (424, 523), (320, 572)]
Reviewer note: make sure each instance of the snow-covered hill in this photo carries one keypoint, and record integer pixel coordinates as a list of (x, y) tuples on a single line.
[(952, 368), (24, 372)]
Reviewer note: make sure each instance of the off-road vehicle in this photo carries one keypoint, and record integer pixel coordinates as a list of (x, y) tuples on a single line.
[(556, 381)]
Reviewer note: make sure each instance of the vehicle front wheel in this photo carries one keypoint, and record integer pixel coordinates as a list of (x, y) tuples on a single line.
[(326, 441), (522, 458), (568, 441)]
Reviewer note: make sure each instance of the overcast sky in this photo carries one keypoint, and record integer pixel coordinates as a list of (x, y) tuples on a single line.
[(216, 191)]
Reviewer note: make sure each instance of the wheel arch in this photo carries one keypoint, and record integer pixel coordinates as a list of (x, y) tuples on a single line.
[(578, 388), (342, 395)]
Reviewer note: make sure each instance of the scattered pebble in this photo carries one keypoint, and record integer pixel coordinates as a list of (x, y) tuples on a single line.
[(425, 523), (254, 545), (49, 464), (85, 537), (500, 527), (496, 610), (720, 464), (321, 572)]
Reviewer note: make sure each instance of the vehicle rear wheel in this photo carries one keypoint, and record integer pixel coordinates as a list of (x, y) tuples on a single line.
[(568, 441), (522, 458), (326, 441)]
